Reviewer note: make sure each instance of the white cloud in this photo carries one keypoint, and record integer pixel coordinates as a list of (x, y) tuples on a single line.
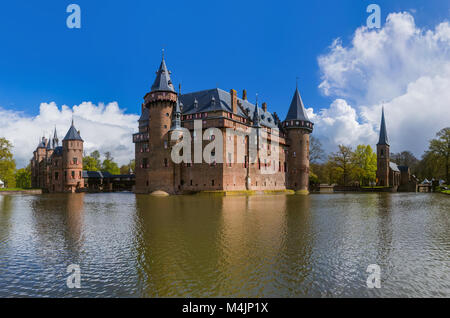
[(401, 64), (103, 128)]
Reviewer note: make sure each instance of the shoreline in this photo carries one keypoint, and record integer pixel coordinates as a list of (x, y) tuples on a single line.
[(9, 192)]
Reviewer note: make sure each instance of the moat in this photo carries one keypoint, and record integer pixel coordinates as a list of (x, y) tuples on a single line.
[(245, 246)]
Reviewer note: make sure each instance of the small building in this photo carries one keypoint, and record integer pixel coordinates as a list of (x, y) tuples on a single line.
[(2, 184)]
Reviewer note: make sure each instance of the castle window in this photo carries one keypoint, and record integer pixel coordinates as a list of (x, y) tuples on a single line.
[(75, 161), (294, 154), (166, 162), (56, 175), (167, 114), (165, 144), (191, 182), (65, 175), (79, 174), (212, 183), (73, 174)]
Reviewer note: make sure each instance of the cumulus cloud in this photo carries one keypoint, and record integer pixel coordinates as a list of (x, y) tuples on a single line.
[(102, 127), (406, 67)]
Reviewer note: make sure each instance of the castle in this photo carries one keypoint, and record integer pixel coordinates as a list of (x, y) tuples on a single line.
[(165, 112), (56, 168), (398, 178)]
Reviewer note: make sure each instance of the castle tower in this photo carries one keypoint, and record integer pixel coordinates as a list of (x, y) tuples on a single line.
[(72, 161), (383, 155), (298, 127), (158, 174), (37, 166)]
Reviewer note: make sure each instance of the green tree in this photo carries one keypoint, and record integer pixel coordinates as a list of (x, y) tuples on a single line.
[(316, 153), (109, 165), (125, 169), (441, 148), (364, 163), (23, 178), (7, 164), (92, 162), (341, 164), (405, 158)]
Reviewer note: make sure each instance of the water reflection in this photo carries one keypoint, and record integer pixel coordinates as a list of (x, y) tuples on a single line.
[(255, 246)]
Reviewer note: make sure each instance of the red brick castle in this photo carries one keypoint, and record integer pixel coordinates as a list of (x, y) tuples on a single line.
[(165, 112)]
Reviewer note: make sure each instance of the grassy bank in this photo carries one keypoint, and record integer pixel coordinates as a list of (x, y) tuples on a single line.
[(20, 191), (12, 189)]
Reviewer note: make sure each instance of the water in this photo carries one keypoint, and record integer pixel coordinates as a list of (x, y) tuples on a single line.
[(256, 246)]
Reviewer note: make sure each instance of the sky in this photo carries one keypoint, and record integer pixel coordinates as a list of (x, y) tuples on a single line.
[(346, 71)]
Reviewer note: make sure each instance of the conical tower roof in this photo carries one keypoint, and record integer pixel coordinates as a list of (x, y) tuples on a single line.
[(72, 134), (297, 109), (163, 82)]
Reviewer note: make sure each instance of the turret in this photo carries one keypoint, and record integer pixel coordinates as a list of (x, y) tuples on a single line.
[(161, 102), (73, 160), (298, 128), (383, 155)]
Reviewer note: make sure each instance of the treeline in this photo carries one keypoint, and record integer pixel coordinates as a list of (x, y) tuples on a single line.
[(12, 177), (351, 167), (345, 166), (93, 163)]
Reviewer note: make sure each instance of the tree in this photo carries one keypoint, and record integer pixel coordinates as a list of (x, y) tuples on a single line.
[(125, 169), (405, 158), (441, 148), (7, 164), (23, 178), (364, 163), (92, 162), (109, 165), (341, 163), (316, 153)]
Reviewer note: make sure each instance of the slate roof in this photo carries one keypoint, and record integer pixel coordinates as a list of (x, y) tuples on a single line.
[(72, 134), (162, 81), (297, 109), (218, 99), (58, 151), (403, 168), (42, 143), (383, 132), (393, 166), (143, 120)]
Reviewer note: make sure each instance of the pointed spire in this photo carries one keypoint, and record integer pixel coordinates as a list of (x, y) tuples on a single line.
[(176, 116), (256, 122), (297, 109), (163, 83), (383, 131), (49, 143), (55, 139)]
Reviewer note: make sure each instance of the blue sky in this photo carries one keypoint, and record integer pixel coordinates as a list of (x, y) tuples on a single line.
[(261, 46)]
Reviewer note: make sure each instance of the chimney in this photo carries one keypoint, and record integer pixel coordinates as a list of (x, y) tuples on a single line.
[(264, 107), (233, 94), (244, 94)]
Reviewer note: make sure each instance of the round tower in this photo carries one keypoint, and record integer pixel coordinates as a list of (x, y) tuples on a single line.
[(72, 161), (298, 128), (160, 101)]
